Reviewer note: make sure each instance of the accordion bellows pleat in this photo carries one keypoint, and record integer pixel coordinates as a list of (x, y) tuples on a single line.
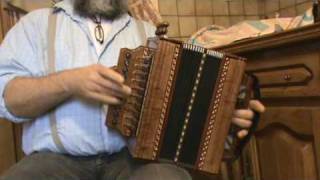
[(182, 103)]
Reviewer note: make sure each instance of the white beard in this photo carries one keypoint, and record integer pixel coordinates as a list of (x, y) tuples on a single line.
[(100, 5), (109, 9)]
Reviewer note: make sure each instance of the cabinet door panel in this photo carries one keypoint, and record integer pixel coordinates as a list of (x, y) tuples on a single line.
[(7, 150), (287, 75), (284, 156), (10, 135), (285, 144), (298, 120)]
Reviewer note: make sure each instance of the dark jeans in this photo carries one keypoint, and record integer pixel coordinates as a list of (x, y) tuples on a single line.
[(119, 166)]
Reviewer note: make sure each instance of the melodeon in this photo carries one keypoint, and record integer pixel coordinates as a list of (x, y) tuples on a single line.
[(181, 105)]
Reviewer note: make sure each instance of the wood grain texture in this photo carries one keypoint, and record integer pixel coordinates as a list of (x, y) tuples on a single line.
[(7, 144), (300, 119), (18, 131), (274, 40), (160, 92), (284, 156), (284, 76), (154, 108), (10, 134), (125, 117), (316, 127), (275, 66), (286, 145), (154, 100), (1, 20), (252, 152), (224, 116)]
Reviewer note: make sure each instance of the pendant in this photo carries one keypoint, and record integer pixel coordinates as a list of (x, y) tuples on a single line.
[(99, 33)]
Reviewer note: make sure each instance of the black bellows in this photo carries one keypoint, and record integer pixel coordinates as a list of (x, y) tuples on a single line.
[(196, 69)]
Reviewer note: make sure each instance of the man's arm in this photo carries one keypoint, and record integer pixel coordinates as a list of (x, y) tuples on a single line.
[(32, 97)]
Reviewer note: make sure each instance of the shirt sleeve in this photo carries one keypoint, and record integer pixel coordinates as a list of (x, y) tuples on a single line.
[(150, 29), (17, 59)]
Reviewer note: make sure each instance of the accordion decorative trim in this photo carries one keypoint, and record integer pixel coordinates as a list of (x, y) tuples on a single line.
[(186, 103), (165, 103), (190, 106), (211, 129)]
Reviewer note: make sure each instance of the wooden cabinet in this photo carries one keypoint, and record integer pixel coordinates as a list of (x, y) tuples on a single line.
[(7, 144), (286, 145), (9, 15), (10, 134)]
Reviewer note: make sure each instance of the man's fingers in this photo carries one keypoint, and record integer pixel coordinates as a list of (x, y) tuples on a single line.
[(242, 134), (242, 117), (243, 123), (111, 75), (105, 99), (126, 89), (257, 106), (109, 92), (113, 68), (111, 86), (244, 114)]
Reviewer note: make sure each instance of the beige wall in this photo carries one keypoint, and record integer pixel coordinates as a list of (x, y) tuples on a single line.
[(286, 7), (188, 16)]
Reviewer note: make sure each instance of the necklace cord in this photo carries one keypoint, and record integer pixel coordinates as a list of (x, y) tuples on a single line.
[(98, 30)]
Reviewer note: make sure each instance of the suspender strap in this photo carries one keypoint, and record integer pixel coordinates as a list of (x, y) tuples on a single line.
[(51, 41), (51, 67), (142, 31), (52, 24)]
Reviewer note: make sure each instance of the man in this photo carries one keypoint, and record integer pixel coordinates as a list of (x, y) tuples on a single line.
[(89, 35)]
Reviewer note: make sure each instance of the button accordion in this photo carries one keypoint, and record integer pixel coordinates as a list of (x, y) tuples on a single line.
[(181, 105)]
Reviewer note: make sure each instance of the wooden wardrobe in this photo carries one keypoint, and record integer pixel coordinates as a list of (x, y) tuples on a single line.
[(286, 145), (10, 134)]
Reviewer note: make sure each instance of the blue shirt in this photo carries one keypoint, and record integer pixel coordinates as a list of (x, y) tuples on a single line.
[(81, 125)]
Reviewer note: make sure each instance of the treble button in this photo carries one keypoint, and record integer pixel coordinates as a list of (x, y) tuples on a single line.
[(139, 82)]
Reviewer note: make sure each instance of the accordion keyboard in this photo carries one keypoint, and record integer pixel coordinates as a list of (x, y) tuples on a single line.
[(135, 67)]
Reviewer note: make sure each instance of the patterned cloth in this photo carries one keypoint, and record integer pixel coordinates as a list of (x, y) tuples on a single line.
[(145, 10), (213, 36)]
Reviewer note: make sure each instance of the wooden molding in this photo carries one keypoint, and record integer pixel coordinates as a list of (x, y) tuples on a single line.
[(309, 32)]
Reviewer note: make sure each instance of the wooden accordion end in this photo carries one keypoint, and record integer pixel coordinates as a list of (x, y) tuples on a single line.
[(182, 102)]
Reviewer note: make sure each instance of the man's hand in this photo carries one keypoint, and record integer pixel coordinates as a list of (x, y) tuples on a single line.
[(96, 83), (243, 118), (33, 97)]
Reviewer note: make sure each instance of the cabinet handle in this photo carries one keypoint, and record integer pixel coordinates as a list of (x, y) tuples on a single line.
[(287, 77)]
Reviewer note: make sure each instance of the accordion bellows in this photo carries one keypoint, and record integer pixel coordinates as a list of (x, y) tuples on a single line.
[(182, 102)]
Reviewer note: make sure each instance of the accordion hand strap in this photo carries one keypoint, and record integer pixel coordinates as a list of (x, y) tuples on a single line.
[(255, 121), (234, 145)]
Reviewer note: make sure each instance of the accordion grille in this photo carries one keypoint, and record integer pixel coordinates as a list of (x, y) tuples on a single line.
[(192, 96)]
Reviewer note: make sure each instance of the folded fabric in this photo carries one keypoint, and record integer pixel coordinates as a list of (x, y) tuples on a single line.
[(212, 36), (145, 10)]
